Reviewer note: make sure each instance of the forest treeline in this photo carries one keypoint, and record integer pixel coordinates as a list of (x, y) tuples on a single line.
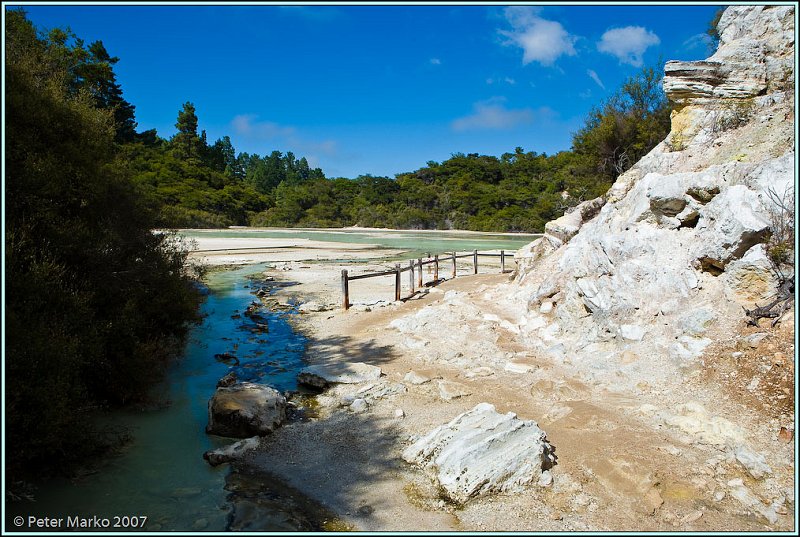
[(191, 183), (97, 303), (187, 181)]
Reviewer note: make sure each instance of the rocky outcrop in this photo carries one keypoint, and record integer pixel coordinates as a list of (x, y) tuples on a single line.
[(556, 233), (682, 230), (245, 409), (755, 56), (565, 227), (483, 451)]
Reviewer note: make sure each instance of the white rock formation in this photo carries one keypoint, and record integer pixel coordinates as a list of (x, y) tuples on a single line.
[(482, 451), (755, 55), (683, 230)]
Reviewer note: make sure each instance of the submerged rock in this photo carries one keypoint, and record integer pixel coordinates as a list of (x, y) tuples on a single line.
[(482, 451), (226, 358), (228, 380), (245, 409)]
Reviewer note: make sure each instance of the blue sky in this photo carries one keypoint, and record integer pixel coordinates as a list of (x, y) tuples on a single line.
[(381, 89)]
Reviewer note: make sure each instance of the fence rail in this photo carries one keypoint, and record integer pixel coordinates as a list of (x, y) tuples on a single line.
[(415, 268)]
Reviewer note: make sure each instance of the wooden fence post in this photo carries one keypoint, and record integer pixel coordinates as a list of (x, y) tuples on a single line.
[(454, 264), (436, 268), (345, 291), (411, 275), (397, 281), (419, 275), (475, 260), (502, 261)]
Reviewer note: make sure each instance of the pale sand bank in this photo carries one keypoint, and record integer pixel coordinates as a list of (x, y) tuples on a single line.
[(247, 250)]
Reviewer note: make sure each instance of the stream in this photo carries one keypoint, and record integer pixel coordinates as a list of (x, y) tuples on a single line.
[(160, 474)]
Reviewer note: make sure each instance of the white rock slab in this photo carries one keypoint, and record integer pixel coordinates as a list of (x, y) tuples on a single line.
[(483, 451), (519, 367), (449, 390), (322, 375)]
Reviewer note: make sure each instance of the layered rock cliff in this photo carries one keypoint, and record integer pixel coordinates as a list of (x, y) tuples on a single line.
[(676, 248)]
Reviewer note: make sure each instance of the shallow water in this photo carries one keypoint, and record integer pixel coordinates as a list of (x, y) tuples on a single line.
[(415, 243), (161, 474)]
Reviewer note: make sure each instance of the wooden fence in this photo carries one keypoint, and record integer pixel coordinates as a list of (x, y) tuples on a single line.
[(415, 266)]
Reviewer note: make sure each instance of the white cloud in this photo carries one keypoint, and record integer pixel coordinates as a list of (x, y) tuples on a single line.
[(698, 40), (507, 80), (628, 44), (247, 126), (435, 61), (594, 77), (541, 40), (492, 114)]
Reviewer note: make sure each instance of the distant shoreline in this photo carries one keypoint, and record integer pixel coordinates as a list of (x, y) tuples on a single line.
[(357, 229)]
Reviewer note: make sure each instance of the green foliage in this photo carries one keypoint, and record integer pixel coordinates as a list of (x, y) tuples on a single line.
[(626, 126), (96, 303)]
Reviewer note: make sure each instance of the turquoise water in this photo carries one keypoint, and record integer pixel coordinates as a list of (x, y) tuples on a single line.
[(415, 243), (161, 474)]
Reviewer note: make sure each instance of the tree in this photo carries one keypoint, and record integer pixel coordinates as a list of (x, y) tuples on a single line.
[(96, 303), (222, 156), (630, 123), (186, 144)]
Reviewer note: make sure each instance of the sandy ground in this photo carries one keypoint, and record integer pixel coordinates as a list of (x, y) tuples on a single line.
[(243, 250), (615, 471)]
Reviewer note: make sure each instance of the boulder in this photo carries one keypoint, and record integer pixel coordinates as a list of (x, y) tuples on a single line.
[(667, 196), (322, 375), (244, 410), (358, 406), (567, 226), (483, 451), (232, 452), (751, 279), (729, 225)]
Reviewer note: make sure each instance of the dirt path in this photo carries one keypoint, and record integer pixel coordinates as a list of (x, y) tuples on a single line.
[(618, 468)]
